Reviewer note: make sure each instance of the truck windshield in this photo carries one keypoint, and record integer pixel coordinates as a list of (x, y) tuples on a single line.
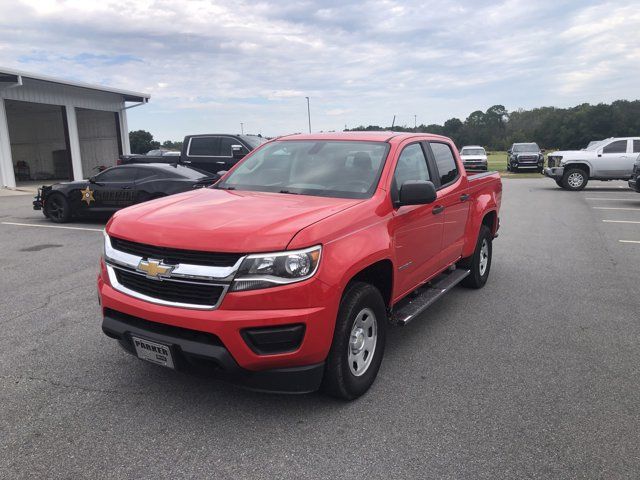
[(343, 169), (472, 151), (526, 147)]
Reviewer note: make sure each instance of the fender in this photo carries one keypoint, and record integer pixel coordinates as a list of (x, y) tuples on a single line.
[(592, 170), (483, 204)]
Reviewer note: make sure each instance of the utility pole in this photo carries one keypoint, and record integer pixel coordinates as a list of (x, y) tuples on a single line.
[(241, 128), (393, 124), (415, 122), (308, 113)]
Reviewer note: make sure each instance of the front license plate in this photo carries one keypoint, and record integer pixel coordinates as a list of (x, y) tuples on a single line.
[(153, 352)]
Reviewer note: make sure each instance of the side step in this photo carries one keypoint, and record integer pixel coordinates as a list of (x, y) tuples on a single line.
[(411, 307)]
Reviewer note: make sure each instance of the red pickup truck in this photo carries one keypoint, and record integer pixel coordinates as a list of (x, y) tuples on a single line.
[(286, 274)]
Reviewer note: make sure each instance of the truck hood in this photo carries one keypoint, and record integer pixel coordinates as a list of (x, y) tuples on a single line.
[(224, 221)]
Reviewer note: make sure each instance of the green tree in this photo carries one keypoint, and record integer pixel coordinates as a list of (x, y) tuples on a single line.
[(142, 141)]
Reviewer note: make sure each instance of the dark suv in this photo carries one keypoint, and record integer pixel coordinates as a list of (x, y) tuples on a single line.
[(523, 156), (635, 176), (209, 152)]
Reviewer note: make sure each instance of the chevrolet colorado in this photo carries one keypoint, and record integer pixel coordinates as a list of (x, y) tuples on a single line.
[(286, 274)]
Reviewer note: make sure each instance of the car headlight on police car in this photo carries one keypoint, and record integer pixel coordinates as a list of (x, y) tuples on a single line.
[(266, 270)]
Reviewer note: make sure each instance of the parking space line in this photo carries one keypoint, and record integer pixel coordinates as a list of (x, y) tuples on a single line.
[(629, 241), (615, 208), (606, 199), (53, 226), (620, 221)]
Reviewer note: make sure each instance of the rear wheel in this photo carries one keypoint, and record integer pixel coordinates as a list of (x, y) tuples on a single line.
[(480, 262), (575, 179), (358, 343), (57, 208)]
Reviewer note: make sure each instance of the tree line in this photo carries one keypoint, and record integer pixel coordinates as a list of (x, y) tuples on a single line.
[(550, 127), (142, 141)]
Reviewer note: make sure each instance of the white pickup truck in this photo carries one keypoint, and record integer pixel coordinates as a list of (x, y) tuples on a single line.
[(609, 159)]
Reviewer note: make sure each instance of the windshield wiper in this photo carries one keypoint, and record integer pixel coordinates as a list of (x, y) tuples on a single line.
[(289, 192), (226, 188)]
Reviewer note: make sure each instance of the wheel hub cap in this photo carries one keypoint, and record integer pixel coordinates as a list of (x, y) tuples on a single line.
[(362, 342), (484, 256), (575, 180)]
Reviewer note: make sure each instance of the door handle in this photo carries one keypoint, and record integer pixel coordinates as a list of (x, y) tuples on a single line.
[(437, 209), (126, 188), (221, 163), (464, 197)]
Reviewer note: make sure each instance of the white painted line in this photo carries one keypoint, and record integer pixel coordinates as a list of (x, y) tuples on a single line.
[(629, 241), (619, 221), (615, 208), (53, 226), (603, 199)]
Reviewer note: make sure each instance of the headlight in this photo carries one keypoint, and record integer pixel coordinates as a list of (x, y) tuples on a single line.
[(266, 270)]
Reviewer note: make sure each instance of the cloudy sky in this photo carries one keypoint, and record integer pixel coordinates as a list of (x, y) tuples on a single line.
[(210, 65)]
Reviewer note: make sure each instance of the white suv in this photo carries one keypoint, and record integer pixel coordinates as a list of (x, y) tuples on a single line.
[(610, 159), (473, 157)]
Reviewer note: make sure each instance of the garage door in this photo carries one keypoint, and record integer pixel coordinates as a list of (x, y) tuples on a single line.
[(99, 139)]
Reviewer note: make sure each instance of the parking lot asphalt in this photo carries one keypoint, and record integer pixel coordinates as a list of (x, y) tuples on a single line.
[(535, 376)]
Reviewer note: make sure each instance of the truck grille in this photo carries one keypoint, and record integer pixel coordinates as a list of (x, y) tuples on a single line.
[(170, 290), (174, 256), (523, 158)]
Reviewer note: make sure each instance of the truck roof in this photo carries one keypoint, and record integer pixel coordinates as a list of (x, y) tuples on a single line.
[(377, 136)]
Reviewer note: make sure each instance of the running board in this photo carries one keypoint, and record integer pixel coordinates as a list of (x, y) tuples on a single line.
[(413, 306)]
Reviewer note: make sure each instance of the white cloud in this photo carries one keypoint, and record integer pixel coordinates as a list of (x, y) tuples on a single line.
[(215, 64)]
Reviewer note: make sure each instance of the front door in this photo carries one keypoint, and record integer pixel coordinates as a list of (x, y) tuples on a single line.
[(416, 229), (616, 160), (114, 188)]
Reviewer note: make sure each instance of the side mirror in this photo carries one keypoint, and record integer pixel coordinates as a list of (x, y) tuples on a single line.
[(417, 192), (542, 150), (509, 152), (92, 179), (237, 150), (221, 172)]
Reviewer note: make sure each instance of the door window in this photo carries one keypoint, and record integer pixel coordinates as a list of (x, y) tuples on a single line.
[(636, 146), (445, 162), (117, 175), (619, 146), (412, 165), (225, 146), (204, 146)]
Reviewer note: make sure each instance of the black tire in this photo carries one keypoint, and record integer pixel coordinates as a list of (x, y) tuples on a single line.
[(478, 278), (339, 380), (514, 169), (508, 167), (570, 179), (559, 182), (539, 170), (57, 208)]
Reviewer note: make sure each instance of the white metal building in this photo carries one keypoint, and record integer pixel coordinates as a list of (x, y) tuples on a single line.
[(52, 129)]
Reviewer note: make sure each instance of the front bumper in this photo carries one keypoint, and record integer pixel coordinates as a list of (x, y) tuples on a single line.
[(196, 351), (633, 184), (235, 356), (553, 172), (475, 165)]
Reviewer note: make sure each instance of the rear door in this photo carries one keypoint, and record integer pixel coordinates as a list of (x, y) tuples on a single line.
[(213, 153), (452, 196), (416, 229), (616, 159)]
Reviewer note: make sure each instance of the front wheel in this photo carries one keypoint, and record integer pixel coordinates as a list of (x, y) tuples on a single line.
[(358, 343), (559, 182), (480, 262), (575, 179), (57, 208)]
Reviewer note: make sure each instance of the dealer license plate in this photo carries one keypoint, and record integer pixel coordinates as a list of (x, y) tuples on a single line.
[(153, 352)]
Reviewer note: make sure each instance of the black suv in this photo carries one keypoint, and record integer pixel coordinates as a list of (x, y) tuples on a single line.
[(523, 156), (635, 176)]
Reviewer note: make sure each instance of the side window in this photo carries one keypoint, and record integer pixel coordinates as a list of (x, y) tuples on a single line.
[(412, 165), (445, 162), (225, 146), (636, 146), (145, 174), (205, 146), (116, 174), (619, 146)]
